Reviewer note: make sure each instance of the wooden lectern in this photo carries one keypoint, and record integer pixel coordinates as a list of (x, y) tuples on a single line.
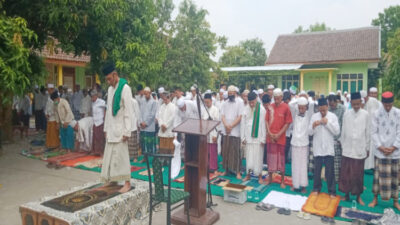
[(196, 168)]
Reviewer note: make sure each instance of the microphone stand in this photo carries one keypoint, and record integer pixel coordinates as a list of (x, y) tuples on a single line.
[(199, 99)]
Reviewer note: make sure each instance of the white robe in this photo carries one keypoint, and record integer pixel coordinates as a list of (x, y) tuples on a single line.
[(85, 133), (371, 106)]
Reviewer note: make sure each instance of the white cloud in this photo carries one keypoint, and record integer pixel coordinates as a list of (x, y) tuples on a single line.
[(244, 19)]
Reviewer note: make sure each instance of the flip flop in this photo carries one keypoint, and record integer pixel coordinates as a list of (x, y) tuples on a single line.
[(287, 212), (300, 214), (325, 219), (307, 216), (281, 211)]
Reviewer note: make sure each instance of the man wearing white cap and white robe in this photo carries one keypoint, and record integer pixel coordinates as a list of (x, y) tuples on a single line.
[(253, 133), (270, 91), (373, 92), (165, 118), (231, 115), (302, 112), (52, 131), (371, 106)]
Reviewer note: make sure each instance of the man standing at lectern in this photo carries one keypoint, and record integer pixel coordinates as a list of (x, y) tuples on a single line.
[(231, 115)]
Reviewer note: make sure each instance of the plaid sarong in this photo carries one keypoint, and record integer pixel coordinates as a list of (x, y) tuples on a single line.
[(311, 157), (337, 159), (386, 180), (148, 142), (133, 145)]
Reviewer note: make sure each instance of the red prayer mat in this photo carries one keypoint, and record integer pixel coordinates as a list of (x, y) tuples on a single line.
[(75, 161), (68, 156)]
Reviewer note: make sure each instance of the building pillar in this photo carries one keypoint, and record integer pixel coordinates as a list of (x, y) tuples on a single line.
[(59, 75), (330, 81), (301, 80)]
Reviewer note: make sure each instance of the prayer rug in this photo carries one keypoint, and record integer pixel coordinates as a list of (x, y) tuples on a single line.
[(182, 179), (76, 161), (68, 156), (91, 163), (322, 205), (355, 214), (136, 168), (285, 200), (84, 198)]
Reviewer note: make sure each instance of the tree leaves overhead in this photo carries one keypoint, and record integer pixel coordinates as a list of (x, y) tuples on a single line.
[(248, 53), (389, 21), (313, 28)]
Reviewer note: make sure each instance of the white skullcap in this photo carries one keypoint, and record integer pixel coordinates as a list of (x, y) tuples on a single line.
[(331, 93), (72, 123), (50, 85), (271, 86), (363, 94), (302, 101), (208, 91), (255, 91), (180, 103), (192, 88), (231, 88), (237, 90), (221, 90), (303, 93), (373, 89), (345, 92), (260, 91), (338, 92), (225, 95), (246, 91), (69, 90), (285, 90), (161, 90), (277, 92), (147, 89)]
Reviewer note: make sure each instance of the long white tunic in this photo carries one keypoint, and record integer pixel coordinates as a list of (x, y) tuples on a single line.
[(371, 106), (119, 125), (231, 111), (49, 110), (166, 117), (300, 137), (98, 108), (86, 106), (76, 100), (355, 136), (386, 131), (136, 115), (85, 133), (191, 112), (323, 141), (214, 113)]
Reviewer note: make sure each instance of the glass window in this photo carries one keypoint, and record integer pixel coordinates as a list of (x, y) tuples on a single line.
[(289, 84), (295, 77), (339, 76), (360, 76), (353, 86), (283, 85), (339, 85), (296, 84), (360, 85), (345, 86), (345, 76), (284, 77)]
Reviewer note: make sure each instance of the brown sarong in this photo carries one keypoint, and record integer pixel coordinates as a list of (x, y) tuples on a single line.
[(166, 145), (351, 178), (231, 160), (98, 139), (52, 135), (133, 145)]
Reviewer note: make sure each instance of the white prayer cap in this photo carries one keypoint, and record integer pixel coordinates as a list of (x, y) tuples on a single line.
[(161, 90), (208, 92), (50, 85), (331, 93), (246, 92), (147, 89), (277, 92), (338, 92), (302, 101), (221, 90), (285, 90), (73, 123), (363, 94), (345, 92), (192, 88), (255, 91), (302, 92), (260, 91), (237, 90), (225, 95), (373, 89), (231, 88), (69, 90), (271, 86), (180, 103)]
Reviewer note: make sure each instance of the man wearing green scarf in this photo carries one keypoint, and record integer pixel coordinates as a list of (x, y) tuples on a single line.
[(117, 130), (253, 136)]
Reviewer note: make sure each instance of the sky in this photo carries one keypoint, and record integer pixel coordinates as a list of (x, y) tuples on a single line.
[(266, 19)]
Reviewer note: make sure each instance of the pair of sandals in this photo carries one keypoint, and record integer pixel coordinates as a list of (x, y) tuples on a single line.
[(284, 211), (329, 220), (264, 207), (304, 215)]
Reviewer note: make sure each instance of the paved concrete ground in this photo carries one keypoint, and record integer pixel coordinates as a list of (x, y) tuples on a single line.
[(23, 180)]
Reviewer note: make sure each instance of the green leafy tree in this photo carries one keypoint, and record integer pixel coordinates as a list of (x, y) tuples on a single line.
[(248, 53), (392, 59), (313, 28), (389, 21), (189, 49)]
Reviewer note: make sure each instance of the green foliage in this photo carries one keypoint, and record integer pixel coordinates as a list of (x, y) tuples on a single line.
[(389, 21), (392, 71), (248, 53), (19, 66), (313, 28), (189, 50)]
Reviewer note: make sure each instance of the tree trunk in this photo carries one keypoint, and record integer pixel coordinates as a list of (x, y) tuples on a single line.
[(6, 121)]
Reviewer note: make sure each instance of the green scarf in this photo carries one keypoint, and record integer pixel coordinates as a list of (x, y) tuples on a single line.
[(256, 121), (117, 96)]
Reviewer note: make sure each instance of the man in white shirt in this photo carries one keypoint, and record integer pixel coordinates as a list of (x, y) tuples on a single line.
[(301, 112), (166, 118), (212, 146), (86, 104), (373, 92), (253, 133), (52, 131), (386, 138), (324, 126), (76, 102), (371, 106), (355, 139), (117, 127), (148, 109), (133, 142), (84, 133), (98, 111), (40, 100), (231, 115)]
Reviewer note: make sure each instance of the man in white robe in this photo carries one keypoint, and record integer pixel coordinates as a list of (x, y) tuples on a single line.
[(117, 127), (253, 133), (86, 104), (84, 133), (165, 117)]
